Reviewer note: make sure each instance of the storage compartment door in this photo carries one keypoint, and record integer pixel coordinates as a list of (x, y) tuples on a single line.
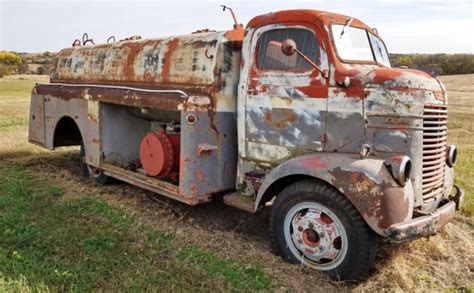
[(36, 127)]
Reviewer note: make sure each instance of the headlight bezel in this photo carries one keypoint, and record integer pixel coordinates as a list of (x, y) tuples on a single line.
[(401, 169), (451, 155)]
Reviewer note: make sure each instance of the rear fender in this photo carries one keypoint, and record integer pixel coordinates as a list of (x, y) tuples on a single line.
[(366, 183)]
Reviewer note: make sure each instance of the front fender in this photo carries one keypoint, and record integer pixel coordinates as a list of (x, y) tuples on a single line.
[(366, 183)]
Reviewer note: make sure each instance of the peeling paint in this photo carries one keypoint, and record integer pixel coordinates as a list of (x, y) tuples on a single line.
[(244, 127)]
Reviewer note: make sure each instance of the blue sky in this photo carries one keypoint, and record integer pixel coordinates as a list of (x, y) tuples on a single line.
[(406, 26)]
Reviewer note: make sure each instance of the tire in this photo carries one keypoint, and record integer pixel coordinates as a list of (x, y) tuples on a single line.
[(97, 175), (313, 217), (82, 161)]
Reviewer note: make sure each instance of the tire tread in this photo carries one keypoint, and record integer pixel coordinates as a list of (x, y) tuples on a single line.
[(366, 236)]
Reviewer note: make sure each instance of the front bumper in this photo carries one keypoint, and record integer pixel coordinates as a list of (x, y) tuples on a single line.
[(428, 225)]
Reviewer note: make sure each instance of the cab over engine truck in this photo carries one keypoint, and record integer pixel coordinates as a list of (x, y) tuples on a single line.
[(300, 112)]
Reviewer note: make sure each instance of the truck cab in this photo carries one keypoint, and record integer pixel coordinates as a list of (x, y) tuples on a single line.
[(300, 112)]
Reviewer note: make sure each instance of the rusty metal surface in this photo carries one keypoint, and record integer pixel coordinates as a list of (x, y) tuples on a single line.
[(435, 128), (240, 201), (152, 184), (366, 183), (144, 99), (293, 122), (122, 90), (383, 107), (142, 61), (36, 129), (208, 161), (422, 226)]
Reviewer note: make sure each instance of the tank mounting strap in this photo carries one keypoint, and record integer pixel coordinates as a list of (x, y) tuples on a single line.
[(180, 92)]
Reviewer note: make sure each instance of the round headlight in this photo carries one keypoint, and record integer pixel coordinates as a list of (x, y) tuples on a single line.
[(400, 167), (451, 155), (405, 170)]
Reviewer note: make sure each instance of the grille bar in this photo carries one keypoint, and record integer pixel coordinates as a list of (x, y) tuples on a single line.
[(431, 133), (433, 178), (436, 109), (435, 126), (438, 161), (433, 145)]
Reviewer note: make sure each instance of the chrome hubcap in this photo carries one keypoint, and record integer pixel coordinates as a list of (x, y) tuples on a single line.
[(315, 235)]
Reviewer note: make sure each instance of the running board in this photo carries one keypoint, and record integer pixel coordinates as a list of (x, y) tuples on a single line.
[(240, 201), (152, 184)]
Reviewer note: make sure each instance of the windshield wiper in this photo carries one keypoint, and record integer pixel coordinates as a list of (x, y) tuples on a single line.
[(348, 23)]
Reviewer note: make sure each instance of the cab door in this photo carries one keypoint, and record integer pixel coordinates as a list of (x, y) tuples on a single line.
[(285, 97)]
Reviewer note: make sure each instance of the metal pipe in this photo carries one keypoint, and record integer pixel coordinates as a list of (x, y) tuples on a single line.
[(183, 94)]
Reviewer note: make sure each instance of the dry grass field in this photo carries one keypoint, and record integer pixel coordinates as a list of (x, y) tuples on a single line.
[(58, 231)]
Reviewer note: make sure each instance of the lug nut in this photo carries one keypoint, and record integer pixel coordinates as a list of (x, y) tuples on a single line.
[(311, 225), (300, 228)]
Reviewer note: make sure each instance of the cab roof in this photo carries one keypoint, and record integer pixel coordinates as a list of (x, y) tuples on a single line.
[(303, 15)]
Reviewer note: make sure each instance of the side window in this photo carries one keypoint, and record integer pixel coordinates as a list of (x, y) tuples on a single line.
[(270, 56)]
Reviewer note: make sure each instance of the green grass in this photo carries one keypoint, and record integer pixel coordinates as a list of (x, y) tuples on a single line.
[(19, 285), (16, 87), (464, 176), (13, 121), (15, 94), (246, 278), (50, 241), (14, 101), (461, 130)]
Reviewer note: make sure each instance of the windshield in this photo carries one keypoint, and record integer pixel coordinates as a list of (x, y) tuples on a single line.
[(356, 44)]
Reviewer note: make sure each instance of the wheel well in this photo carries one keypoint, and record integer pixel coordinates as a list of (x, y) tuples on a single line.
[(277, 186), (66, 133)]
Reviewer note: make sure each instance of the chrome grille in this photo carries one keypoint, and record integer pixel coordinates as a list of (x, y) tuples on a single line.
[(435, 130)]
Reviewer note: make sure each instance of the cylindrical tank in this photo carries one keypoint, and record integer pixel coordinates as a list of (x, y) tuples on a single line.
[(198, 63), (182, 60)]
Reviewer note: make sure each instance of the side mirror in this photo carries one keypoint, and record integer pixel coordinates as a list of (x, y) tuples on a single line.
[(288, 47)]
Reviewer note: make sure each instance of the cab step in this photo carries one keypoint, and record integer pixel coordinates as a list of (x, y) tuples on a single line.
[(240, 201)]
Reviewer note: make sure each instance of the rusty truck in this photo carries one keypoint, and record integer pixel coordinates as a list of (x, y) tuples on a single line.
[(299, 112)]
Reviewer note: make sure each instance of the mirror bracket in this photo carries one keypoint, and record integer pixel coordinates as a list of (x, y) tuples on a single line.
[(288, 47)]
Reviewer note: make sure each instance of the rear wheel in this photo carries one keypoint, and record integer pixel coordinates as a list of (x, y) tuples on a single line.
[(90, 171), (314, 225)]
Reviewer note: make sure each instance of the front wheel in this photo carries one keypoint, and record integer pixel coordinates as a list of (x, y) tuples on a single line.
[(89, 171), (314, 225)]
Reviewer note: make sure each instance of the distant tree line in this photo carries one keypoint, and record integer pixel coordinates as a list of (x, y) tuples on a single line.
[(23, 63), (437, 64), (9, 62)]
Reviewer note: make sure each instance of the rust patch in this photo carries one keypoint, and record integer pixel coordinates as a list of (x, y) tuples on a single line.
[(199, 175), (368, 195), (172, 45), (235, 35), (167, 101), (315, 163), (381, 203), (281, 118)]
